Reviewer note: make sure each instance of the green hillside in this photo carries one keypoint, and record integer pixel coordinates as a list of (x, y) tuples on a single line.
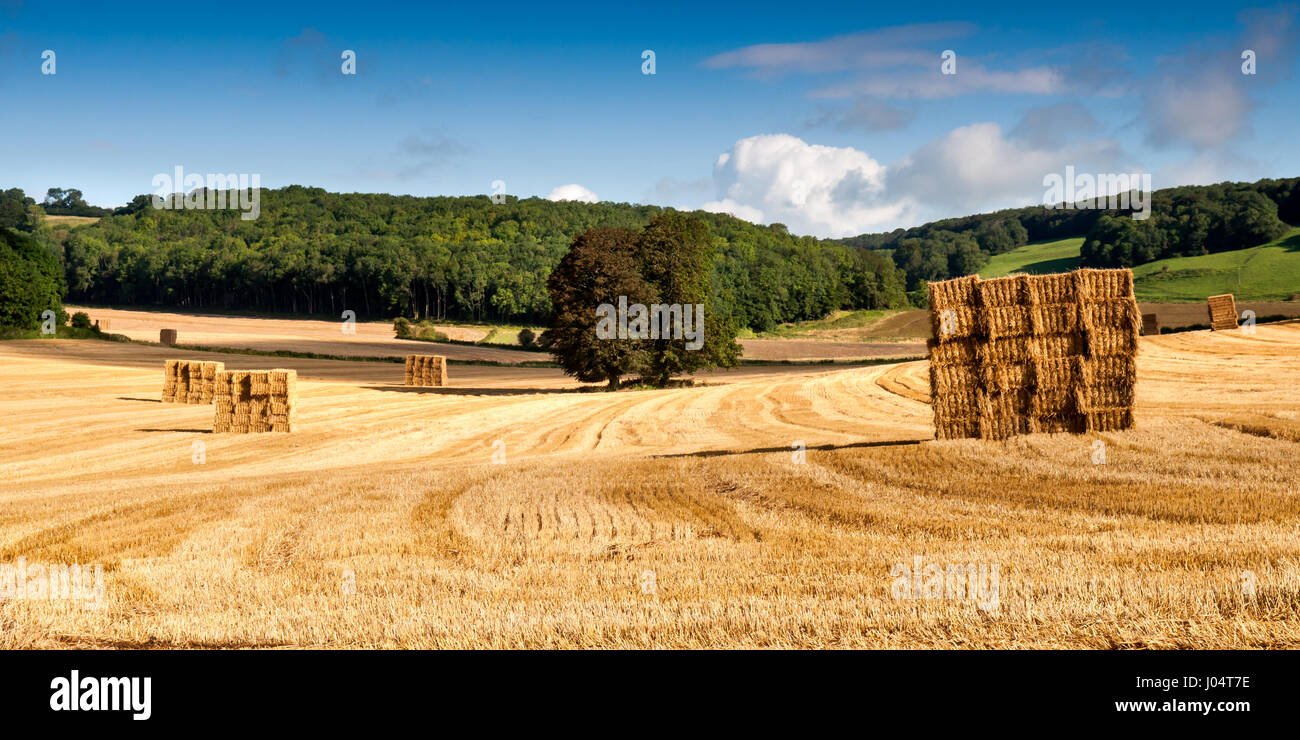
[(1270, 272), (1036, 259)]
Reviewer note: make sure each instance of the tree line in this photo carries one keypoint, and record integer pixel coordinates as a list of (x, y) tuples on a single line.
[(440, 258)]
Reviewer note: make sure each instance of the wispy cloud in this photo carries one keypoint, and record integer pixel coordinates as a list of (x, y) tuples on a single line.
[(884, 48), (416, 156)]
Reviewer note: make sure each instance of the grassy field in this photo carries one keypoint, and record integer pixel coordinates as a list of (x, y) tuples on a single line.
[(1270, 272), (1039, 258), (767, 507)]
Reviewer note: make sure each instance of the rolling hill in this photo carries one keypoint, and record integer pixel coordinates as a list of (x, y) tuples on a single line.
[(1269, 272)]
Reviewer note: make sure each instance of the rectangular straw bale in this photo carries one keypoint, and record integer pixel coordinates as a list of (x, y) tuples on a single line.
[(955, 322), (1008, 321), (247, 401), (1150, 325), (954, 293), (169, 380), (1058, 288), (1054, 318), (426, 370), (1050, 353), (1223, 311), (167, 337), (953, 378), (959, 352), (998, 292), (438, 368)]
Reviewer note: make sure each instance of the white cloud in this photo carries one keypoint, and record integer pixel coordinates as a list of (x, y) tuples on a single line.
[(841, 191), (1202, 108), (573, 192), (887, 47), (813, 189), (970, 78), (977, 167), (727, 205), (1200, 98)]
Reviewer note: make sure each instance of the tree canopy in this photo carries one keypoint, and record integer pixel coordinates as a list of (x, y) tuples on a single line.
[(667, 264), (30, 281), (312, 251)]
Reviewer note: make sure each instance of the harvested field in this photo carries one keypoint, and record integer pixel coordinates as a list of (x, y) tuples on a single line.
[(375, 339), (1175, 315), (671, 518)]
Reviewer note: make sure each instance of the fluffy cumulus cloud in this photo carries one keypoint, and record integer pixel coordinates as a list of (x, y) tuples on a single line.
[(841, 191), (573, 192), (812, 189), (978, 167)]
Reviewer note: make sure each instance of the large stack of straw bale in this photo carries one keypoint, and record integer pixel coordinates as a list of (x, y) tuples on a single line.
[(1026, 354), (426, 370), (1150, 324), (186, 381), (256, 401), (1223, 312), (167, 337)]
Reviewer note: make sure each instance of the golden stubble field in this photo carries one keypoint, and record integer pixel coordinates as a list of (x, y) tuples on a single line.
[(508, 511)]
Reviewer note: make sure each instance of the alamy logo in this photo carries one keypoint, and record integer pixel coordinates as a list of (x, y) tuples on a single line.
[(214, 191), (94, 694), (55, 581), (657, 321), (1085, 191), (979, 583)]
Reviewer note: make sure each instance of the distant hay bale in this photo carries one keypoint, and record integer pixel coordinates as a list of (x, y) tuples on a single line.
[(167, 337), (102, 324), (426, 370), (1223, 312), (1031, 354), (248, 401), (186, 381), (1150, 325)]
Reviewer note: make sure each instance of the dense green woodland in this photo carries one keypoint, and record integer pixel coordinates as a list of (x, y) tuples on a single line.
[(30, 281), (312, 251), (1184, 222), (466, 258)]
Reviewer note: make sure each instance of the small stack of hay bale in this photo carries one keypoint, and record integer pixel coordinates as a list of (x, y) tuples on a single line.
[(1027, 354), (428, 370), (1150, 325), (1223, 312), (102, 324), (186, 381), (256, 401), (167, 337)]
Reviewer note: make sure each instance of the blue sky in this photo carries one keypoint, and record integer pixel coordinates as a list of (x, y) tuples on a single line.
[(831, 117)]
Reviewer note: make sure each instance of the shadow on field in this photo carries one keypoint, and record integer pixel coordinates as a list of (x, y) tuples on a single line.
[(458, 391), (763, 450), (143, 400), (187, 431)]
